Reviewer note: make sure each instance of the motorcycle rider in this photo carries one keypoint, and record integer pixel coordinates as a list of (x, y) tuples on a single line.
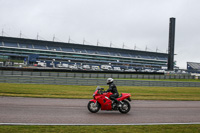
[(112, 88)]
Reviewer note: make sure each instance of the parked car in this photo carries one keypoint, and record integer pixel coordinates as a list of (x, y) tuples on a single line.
[(73, 67), (106, 67), (130, 70), (95, 68)]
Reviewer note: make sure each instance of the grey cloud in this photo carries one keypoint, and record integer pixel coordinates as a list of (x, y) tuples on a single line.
[(132, 22)]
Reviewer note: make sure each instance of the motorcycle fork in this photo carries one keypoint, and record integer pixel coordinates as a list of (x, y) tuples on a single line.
[(95, 104)]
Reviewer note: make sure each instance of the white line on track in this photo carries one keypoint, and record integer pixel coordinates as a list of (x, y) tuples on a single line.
[(54, 124)]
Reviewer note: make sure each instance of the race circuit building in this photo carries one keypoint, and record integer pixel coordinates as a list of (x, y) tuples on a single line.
[(193, 67), (39, 50)]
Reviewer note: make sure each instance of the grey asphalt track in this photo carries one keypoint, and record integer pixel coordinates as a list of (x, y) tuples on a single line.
[(74, 111)]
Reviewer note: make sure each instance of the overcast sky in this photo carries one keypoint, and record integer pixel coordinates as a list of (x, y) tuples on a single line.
[(137, 24)]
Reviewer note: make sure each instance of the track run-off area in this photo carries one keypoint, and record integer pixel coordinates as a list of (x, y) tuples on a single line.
[(49, 111)]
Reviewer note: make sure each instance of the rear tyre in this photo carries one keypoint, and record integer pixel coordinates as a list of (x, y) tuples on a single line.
[(92, 108), (125, 107)]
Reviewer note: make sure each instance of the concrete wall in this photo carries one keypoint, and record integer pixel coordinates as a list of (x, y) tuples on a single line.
[(82, 79), (94, 75)]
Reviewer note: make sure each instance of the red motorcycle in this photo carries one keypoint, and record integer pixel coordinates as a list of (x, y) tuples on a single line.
[(101, 100)]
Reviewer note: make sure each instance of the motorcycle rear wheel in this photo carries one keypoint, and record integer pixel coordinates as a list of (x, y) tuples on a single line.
[(92, 108), (125, 107)]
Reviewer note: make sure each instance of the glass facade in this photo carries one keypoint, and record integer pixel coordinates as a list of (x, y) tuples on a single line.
[(76, 53)]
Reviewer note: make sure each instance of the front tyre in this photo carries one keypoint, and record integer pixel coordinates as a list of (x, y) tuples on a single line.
[(125, 107), (93, 107)]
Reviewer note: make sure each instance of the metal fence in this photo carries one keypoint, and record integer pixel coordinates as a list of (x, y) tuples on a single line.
[(95, 75), (36, 78)]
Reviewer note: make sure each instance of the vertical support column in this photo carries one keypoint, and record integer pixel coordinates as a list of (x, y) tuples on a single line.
[(171, 44)]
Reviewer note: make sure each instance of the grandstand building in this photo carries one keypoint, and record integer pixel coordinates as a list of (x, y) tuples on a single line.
[(193, 67), (39, 50)]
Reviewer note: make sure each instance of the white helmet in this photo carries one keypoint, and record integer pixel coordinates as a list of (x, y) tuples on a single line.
[(109, 80)]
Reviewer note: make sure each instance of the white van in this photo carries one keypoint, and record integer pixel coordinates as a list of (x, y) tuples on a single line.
[(62, 65), (106, 67), (86, 67), (73, 67), (117, 68), (41, 64)]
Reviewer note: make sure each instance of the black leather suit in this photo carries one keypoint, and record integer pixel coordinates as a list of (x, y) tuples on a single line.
[(112, 88)]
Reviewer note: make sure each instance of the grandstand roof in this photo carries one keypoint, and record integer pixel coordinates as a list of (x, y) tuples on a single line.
[(193, 65)]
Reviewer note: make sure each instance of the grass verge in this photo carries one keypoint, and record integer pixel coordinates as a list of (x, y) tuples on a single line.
[(85, 92), (102, 129)]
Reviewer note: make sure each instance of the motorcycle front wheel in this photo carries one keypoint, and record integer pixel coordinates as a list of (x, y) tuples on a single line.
[(125, 107), (92, 107)]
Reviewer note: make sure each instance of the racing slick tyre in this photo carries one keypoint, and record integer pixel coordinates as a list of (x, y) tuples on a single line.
[(125, 108), (92, 107)]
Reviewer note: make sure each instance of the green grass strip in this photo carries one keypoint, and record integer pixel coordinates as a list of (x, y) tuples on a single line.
[(102, 129), (85, 92)]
